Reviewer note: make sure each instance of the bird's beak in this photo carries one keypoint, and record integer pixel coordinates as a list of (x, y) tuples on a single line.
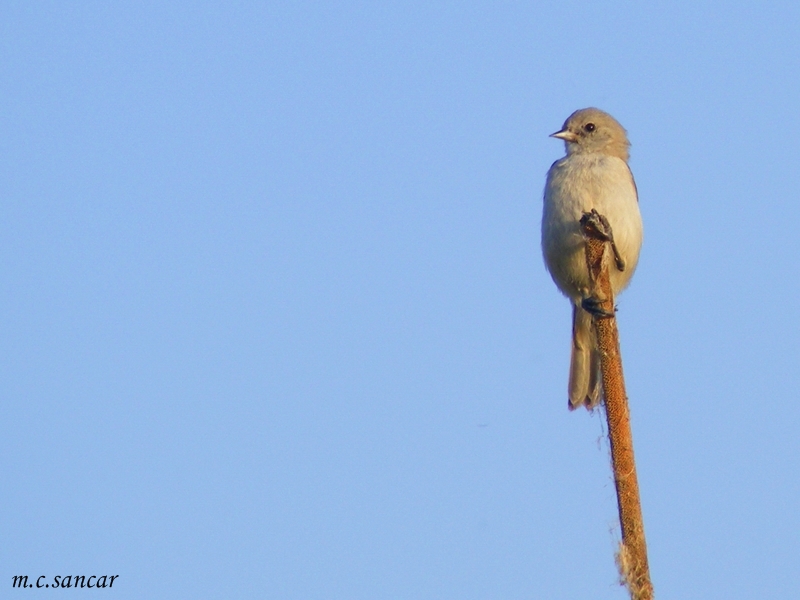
[(565, 135)]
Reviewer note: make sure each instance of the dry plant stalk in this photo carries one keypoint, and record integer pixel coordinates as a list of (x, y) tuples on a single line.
[(632, 556)]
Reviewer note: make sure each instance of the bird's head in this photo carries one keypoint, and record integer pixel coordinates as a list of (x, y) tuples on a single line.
[(592, 130)]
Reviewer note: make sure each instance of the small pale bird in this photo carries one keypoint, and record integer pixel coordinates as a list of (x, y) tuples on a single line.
[(593, 175)]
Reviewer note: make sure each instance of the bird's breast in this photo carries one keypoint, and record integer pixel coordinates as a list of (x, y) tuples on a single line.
[(575, 185)]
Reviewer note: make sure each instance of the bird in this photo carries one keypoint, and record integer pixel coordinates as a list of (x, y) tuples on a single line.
[(594, 175)]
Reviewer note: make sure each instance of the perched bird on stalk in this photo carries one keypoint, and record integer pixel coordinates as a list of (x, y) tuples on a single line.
[(594, 175)]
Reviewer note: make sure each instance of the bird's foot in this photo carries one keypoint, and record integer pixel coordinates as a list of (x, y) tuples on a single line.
[(602, 229), (593, 305)]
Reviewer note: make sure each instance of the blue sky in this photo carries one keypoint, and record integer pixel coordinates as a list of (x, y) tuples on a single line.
[(275, 322)]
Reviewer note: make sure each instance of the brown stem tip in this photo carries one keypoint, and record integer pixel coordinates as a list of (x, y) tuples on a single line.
[(632, 556)]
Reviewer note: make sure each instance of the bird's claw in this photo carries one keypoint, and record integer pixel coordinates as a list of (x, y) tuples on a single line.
[(602, 229), (592, 305)]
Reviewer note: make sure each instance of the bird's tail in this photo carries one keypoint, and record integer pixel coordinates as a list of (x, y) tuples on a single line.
[(584, 370)]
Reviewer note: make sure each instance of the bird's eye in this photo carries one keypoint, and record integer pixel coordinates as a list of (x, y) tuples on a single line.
[(589, 127)]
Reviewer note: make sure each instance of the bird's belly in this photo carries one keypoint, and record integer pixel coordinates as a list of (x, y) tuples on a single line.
[(566, 200)]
